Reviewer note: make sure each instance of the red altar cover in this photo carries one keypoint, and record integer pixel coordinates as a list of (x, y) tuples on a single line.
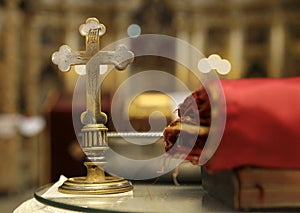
[(262, 126)]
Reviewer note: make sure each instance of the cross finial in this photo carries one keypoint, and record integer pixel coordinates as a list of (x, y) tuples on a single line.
[(65, 58), (92, 30)]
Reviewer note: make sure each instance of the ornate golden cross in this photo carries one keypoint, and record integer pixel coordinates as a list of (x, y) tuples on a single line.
[(94, 133), (65, 58)]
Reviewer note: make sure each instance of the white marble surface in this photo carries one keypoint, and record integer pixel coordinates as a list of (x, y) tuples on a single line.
[(33, 206)]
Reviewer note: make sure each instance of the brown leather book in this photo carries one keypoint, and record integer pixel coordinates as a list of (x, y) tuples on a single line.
[(255, 188)]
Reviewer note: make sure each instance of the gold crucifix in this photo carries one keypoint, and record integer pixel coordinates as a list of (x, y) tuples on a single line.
[(65, 58), (94, 133)]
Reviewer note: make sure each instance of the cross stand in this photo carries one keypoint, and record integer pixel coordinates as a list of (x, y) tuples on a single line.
[(94, 132)]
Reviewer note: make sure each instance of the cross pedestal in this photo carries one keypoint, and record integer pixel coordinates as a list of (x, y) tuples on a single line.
[(94, 132)]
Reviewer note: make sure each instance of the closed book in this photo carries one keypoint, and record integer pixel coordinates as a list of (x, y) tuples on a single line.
[(255, 188)]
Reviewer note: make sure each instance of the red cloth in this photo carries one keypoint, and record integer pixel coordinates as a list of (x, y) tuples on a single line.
[(194, 111), (262, 125)]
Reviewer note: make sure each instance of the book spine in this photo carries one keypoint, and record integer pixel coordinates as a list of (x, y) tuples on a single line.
[(223, 186)]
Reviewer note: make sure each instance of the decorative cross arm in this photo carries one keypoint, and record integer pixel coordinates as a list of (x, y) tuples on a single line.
[(120, 58), (65, 57)]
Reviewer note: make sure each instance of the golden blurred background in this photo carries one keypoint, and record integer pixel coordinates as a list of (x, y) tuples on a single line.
[(259, 38)]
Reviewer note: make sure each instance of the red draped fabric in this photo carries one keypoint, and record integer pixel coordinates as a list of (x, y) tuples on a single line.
[(262, 126)]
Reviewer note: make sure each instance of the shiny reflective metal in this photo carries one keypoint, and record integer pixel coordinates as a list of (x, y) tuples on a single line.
[(94, 132), (135, 134)]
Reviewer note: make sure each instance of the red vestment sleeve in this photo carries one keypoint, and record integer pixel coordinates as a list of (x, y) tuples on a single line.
[(262, 124)]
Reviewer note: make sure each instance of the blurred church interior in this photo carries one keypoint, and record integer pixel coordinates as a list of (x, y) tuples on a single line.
[(259, 38)]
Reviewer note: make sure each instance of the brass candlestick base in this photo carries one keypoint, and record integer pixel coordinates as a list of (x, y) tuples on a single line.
[(94, 143), (95, 183)]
